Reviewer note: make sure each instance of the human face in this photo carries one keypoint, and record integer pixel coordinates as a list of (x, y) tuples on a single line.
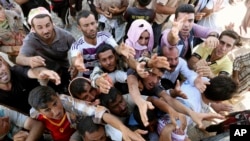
[(172, 56), (88, 26), (119, 107), (54, 109), (153, 79), (44, 28), (188, 21), (2, 14), (144, 38), (5, 75), (98, 135), (225, 45), (89, 95), (107, 60), (5, 125)]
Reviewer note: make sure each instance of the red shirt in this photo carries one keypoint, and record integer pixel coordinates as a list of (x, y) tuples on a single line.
[(60, 130)]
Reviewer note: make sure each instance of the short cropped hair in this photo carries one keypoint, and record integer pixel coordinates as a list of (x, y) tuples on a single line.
[(40, 96), (221, 88), (184, 8)]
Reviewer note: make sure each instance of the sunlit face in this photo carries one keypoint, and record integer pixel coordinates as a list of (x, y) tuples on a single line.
[(5, 125), (225, 45), (2, 14), (5, 75), (88, 26), (44, 28), (119, 107), (144, 38), (187, 22), (153, 79), (172, 56), (89, 95), (107, 60), (98, 135), (54, 109)]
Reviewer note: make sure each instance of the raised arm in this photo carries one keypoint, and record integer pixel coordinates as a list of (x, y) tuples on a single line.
[(34, 61), (142, 104)]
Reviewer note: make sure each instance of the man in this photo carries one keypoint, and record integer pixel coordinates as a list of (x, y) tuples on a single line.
[(150, 86), (183, 32), (221, 88), (211, 62), (46, 46), (178, 66), (16, 126), (83, 51), (16, 82), (90, 131)]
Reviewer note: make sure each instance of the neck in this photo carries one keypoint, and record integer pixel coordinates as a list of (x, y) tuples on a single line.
[(90, 41), (6, 87), (50, 40), (204, 99), (214, 57)]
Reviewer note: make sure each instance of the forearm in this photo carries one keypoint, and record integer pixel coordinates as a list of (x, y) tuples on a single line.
[(172, 39), (159, 103), (175, 104), (132, 63), (113, 121), (34, 72), (22, 60), (161, 9), (99, 11), (133, 87), (35, 131)]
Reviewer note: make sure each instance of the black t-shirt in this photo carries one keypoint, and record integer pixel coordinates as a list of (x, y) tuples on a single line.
[(153, 92), (21, 86)]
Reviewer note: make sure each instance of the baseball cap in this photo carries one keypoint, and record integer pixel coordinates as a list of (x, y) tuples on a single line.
[(37, 11)]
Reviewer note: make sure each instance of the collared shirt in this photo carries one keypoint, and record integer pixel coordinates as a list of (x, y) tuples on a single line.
[(222, 65)]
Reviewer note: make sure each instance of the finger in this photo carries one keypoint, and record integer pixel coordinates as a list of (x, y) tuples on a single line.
[(144, 117), (141, 132)]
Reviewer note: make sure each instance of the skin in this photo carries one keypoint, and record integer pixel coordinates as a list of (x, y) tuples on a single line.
[(5, 125), (54, 109), (172, 56), (88, 26), (119, 107), (107, 60), (152, 79), (187, 23), (2, 14), (144, 38), (5, 75), (98, 135), (44, 28), (89, 95)]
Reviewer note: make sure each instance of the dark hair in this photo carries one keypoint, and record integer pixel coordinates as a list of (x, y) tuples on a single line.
[(106, 99), (233, 35), (144, 2), (220, 88), (86, 124), (40, 16), (77, 86), (83, 14), (184, 8), (104, 47), (151, 114), (40, 96)]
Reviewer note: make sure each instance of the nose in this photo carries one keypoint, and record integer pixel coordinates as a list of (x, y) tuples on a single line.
[(91, 98)]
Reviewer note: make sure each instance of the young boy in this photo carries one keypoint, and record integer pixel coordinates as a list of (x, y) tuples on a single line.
[(59, 113)]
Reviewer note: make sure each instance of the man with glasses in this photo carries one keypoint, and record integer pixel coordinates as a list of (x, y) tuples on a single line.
[(209, 61)]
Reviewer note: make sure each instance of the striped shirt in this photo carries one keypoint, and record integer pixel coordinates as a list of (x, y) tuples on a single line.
[(88, 51)]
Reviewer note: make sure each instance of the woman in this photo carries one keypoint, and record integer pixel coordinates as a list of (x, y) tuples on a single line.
[(141, 38)]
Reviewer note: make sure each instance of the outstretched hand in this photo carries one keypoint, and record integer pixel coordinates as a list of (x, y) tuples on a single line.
[(177, 92), (158, 62), (126, 50), (143, 106), (200, 84), (79, 63), (104, 83), (49, 75)]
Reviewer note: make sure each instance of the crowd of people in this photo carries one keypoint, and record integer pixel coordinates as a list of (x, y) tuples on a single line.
[(142, 69)]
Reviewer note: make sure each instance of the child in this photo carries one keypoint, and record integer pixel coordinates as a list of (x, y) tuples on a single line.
[(59, 113)]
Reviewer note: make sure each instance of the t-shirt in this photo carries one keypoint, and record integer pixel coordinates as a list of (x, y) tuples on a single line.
[(88, 51), (17, 97)]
